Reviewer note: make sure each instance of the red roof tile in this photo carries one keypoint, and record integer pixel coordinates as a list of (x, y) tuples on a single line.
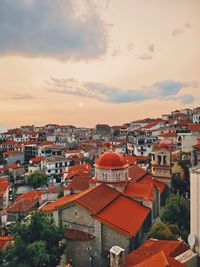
[(37, 159), (140, 190), (135, 173), (124, 214), (4, 185), (160, 260), (30, 195), (63, 201), (79, 183), (194, 127), (150, 247), (22, 206), (149, 179), (4, 240), (98, 198)]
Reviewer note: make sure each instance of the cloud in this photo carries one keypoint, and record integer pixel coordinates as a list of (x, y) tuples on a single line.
[(151, 48), (177, 32), (188, 25), (182, 30), (116, 52), (163, 90), (187, 99), (23, 97), (66, 30), (169, 87), (145, 56)]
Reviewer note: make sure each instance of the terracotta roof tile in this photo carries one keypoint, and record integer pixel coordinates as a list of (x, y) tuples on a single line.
[(22, 206), (98, 198), (58, 203), (140, 190), (160, 260), (135, 173), (124, 215), (150, 247), (79, 183), (30, 195), (149, 179)]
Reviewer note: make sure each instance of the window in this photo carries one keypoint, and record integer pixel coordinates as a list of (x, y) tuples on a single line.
[(159, 159)]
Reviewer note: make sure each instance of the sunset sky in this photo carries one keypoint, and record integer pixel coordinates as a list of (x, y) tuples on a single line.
[(84, 62)]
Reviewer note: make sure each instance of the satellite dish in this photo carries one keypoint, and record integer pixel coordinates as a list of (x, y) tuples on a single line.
[(191, 240)]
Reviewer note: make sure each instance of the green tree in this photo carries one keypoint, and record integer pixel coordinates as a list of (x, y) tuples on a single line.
[(162, 231), (37, 243), (177, 211), (37, 179)]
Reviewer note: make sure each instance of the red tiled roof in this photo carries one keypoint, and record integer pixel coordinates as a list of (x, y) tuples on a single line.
[(63, 201), (140, 190), (197, 146), (9, 153), (22, 206), (150, 247), (172, 134), (150, 125), (149, 179), (30, 195), (81, 167), (4, 240), (124, 214), (8, 143), (98, 198), (79, 183), (4, 185), (78, 235), (130, 159), (11, 166), (135, 173), (194, 127), (37, 159), (160, 260)]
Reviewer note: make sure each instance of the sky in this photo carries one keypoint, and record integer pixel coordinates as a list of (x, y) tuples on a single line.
[(85, 62)]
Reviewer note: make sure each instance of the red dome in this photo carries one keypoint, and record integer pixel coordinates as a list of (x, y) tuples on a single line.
[(107, 144), (111, 160)]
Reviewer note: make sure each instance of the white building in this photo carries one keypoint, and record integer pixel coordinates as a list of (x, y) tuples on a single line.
[(196, 115)]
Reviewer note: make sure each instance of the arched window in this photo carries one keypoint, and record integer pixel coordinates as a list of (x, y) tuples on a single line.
[(159, 159)]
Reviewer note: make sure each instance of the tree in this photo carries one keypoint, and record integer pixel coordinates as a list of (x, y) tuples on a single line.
[(37, 179), (177, 211), (162, 231), (37, 243)]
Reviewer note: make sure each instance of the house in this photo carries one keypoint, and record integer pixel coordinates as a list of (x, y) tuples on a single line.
[(12, 157), (55, 165), (196, 115)]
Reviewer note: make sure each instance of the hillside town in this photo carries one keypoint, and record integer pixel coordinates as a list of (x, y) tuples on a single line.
[(107, 185)]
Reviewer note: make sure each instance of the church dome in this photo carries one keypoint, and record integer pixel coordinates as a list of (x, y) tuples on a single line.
[(111, 160)]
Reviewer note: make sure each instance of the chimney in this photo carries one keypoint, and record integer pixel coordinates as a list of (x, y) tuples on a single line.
[(117, 257)]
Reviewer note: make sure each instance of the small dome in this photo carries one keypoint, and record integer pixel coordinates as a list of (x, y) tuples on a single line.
[(111, 160)]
